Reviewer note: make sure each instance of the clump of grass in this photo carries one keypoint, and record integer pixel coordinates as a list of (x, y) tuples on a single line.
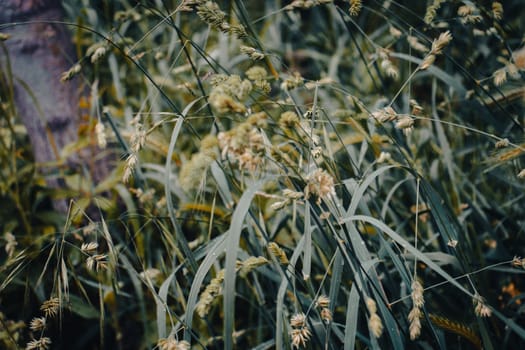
[(300, 192)]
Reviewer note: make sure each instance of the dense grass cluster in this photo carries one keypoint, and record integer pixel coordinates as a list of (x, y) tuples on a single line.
[(302, 174)]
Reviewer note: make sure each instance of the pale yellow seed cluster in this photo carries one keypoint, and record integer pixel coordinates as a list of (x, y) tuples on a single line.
[(252, 52), (209, 294), (414, 317), (323, 302), (502, 143), (416, 44), (250, 264), (289, 197), (437, 47), (151, 274), (229, 92), (258, 76), (469, 13), (518, 262), (396, 33), (96, 52), (300, 332), (355, 7), (518, 57), (101, 135), (94, 262), (292, 82), (497, 10), (43, 343), (171, 343), (374, 322), (481, 309), (384, 115), (384, 157), (305, 4), (244, 144), (278, 252), (50, 307), (211, 13), (193, 172), (319, 184), (432, 11), (386, 63), (388, 114), (70, 73), (11, 243), (38, 325), (137, 140), (289, 120)]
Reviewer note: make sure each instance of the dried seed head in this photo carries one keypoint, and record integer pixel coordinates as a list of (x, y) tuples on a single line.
[(101, 135), (69, 74), (279, 205), (414, 317), (98, 54), (11, 243), (441, 42), (326, 315), (292, 194), (384, 157), (502, 143), (376, 325), (518, 262), (251, 52), (323, 301), (396, 33), (518, 57), (89, 248), (497, 10), (211, 13), (151, 274), (292, 82), (50, 307), (417, 294), (171, 343), (452, 243), (300, 336), (39, 344), (320, 184), (416, 44), (256, 73), (480, 307), (405, 122), (38, 324), (371, 305), (500, 76), (427, 61), (384, 115), (278, 252), (289, 120), (97, 262), (298, 320), (355, 7)]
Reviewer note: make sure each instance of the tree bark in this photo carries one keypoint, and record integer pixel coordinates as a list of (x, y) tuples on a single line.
[(39, 53)]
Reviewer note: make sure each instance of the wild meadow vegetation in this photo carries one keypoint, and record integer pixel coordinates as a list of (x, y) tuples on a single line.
[(300, 174)]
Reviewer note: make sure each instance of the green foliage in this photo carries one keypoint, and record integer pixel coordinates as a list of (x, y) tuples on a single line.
[(314, 174)]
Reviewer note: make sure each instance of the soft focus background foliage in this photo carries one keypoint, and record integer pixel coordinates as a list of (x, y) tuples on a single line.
[(266, 154)]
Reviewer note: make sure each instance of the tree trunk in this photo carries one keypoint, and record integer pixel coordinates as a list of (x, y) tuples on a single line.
[(39, 53)]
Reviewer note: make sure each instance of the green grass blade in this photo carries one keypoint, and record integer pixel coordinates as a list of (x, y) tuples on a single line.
[(232, 246)]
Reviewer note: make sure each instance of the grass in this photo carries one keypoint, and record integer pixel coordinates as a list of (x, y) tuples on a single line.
[(310, 174)]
